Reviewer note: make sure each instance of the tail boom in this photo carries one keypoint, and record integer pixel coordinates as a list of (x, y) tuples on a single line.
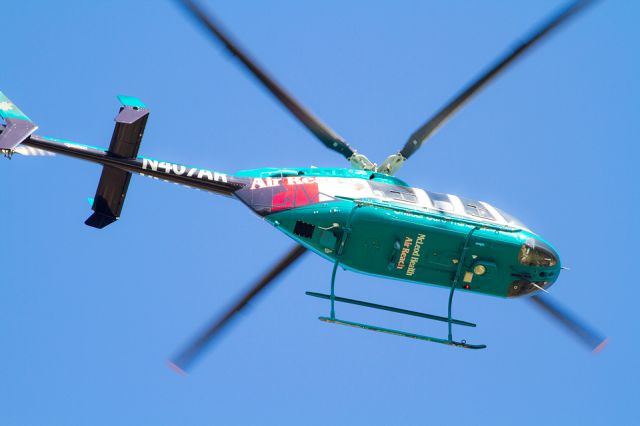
[(207, 180), (119, 161)]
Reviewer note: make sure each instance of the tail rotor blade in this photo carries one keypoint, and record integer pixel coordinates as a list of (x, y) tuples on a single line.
[(188, 355), (591, 339)]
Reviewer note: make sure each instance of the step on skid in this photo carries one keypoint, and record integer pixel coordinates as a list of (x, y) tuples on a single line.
[(460, 344)]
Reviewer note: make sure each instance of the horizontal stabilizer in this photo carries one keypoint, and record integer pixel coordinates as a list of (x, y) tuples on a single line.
[(125, 143), (19, 127)]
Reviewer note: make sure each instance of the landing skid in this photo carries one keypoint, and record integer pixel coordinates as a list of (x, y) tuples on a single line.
[(340, 244), (461, 344)]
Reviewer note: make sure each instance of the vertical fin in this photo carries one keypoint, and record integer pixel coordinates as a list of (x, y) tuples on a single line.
[(19, 127)]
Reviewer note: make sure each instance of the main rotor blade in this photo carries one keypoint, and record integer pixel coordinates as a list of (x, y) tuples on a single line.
[(594, 341), (423, 133), (321, 131), (185, 358)]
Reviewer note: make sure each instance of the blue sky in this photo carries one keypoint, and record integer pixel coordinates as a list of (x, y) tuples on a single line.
[(88, 318)]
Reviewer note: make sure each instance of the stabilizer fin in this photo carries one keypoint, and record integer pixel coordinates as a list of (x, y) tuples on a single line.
[(19, 127), (125, 143)]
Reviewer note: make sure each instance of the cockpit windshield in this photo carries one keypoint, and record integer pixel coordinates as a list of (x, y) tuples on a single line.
[(536, 253)]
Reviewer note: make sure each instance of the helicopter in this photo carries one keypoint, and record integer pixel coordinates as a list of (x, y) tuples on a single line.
[(360, 218)]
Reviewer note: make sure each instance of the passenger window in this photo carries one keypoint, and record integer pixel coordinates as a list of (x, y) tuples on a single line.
[(393, 192), (409, 197), (441, 201), (396, 195), (474, 208), (403, 196)]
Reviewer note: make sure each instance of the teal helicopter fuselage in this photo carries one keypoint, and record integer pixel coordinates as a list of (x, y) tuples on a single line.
[(399, 232), (375, 223)]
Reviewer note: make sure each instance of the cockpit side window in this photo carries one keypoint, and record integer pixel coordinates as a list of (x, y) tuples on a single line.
[(510, 219)]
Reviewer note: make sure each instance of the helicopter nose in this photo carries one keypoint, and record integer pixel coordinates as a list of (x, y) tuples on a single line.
[(542, 265)]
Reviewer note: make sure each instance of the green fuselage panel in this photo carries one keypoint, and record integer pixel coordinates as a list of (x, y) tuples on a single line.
[(389, 241)]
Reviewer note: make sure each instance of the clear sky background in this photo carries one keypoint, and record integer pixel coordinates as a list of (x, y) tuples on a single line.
[(88, 318)]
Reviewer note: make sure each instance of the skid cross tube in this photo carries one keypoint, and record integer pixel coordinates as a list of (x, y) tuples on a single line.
[(389, 308), (456, 278)]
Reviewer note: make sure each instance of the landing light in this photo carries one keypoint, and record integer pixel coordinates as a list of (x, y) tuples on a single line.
[(479, 269)]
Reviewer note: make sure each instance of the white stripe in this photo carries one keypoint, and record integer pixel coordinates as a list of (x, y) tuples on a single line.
[(28, 151), (458, 207)]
